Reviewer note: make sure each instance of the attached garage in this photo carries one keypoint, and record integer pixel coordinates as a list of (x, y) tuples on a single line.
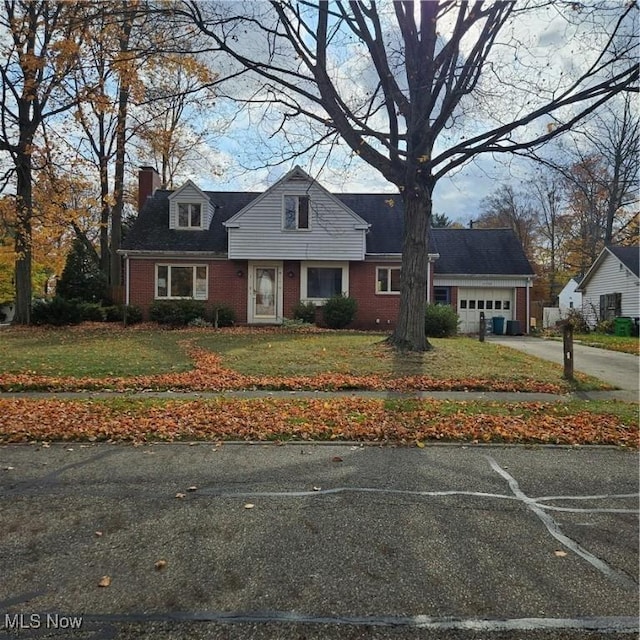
[(493, 302)]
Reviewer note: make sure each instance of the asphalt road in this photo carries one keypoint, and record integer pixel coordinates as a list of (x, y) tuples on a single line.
[(618, 369), (453, 542)]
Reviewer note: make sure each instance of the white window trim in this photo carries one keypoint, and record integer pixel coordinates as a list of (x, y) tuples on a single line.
[(329, 265), (190, 227), (386, 293), (169, 266), (284, 212)]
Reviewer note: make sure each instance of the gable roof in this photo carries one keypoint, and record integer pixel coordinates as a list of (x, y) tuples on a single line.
[(190, 184), (628, 256), (462, 251), (297, 174)]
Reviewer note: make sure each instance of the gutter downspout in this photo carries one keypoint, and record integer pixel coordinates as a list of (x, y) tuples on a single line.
[(432, 257), (528, 306), (126, 279)]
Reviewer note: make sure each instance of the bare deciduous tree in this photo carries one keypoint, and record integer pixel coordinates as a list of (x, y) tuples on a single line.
[(398, 82)]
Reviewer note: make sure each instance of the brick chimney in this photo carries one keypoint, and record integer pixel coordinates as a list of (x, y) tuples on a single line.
[(148, 182)]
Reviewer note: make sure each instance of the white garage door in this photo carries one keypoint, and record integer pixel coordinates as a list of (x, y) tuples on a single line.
[(494, 302)]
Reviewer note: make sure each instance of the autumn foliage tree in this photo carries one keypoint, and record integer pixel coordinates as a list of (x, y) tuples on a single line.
[(41, 39), (399, 82)]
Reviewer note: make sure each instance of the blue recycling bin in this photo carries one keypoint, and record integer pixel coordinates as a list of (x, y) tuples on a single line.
[(497, 325)]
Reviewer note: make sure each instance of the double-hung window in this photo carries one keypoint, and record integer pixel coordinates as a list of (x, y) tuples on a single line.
[(189, 215), (296, 213), (181, 281), (388, 280)]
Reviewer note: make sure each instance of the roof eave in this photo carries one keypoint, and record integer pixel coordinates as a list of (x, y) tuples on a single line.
[(145, 253)]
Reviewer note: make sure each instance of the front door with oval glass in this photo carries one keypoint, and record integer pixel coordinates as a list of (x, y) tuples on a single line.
[(265, 294)]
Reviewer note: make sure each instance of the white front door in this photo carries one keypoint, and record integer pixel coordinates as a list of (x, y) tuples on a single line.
[(265, 293)]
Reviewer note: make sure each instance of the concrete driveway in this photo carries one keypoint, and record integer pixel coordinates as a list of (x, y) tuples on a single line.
[(318, 542), (618, 369)]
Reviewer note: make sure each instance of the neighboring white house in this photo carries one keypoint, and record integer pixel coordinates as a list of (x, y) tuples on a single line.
[(611, 287), (570, 297)]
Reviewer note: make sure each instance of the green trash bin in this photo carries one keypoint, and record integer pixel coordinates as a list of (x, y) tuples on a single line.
[(497, 325), (623, 327)]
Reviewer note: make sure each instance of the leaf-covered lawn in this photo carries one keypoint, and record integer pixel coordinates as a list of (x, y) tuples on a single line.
[(350, 419), (610, 342), (205, 360)]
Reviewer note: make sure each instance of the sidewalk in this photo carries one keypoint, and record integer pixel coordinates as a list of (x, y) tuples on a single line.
[(502, 396)]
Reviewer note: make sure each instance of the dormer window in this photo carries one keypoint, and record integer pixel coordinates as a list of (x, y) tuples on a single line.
[(189, 215), (296, 213)]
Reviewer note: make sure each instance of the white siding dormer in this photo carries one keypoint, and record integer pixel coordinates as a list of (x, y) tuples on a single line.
[(296, 219), (190, 208)]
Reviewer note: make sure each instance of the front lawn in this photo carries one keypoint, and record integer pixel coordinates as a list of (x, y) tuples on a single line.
[(608, 341), (144, 357), (93, 357)]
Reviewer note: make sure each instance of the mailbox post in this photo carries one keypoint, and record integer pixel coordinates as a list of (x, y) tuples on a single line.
[(567, 345)]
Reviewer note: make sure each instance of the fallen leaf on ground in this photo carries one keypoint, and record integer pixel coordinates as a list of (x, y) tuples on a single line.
[(560, 554), (192, 488), (98, 534), (181, 495), (105, 581), (249, 505), (336, 459), (161, 564)]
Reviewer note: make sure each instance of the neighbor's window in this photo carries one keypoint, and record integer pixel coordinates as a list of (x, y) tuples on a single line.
[(610, 306), (296, 213), (189, 215), (181, 281), (388, 280)]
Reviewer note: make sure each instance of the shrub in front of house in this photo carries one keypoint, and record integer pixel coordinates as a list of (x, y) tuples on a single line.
[(176, 313), (577, 320), (305, 311), (223, 316), (115, 313), (91, 311), (440, 321), (339, 311), (57, 312)]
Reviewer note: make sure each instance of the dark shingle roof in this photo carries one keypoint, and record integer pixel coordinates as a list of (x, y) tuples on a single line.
[(151, 231), (462, 251), (629, 256)]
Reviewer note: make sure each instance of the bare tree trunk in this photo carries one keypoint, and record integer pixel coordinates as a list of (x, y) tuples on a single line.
[(121, 141), (105, 214), (24, 211), (118, 191), (410, 330)]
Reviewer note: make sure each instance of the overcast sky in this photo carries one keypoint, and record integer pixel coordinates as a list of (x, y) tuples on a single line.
[(245, 151)]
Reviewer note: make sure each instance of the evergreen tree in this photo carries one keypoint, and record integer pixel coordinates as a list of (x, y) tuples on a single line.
[(82, 278)]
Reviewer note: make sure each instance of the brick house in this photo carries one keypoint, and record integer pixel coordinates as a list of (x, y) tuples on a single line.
[(261, 253)]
